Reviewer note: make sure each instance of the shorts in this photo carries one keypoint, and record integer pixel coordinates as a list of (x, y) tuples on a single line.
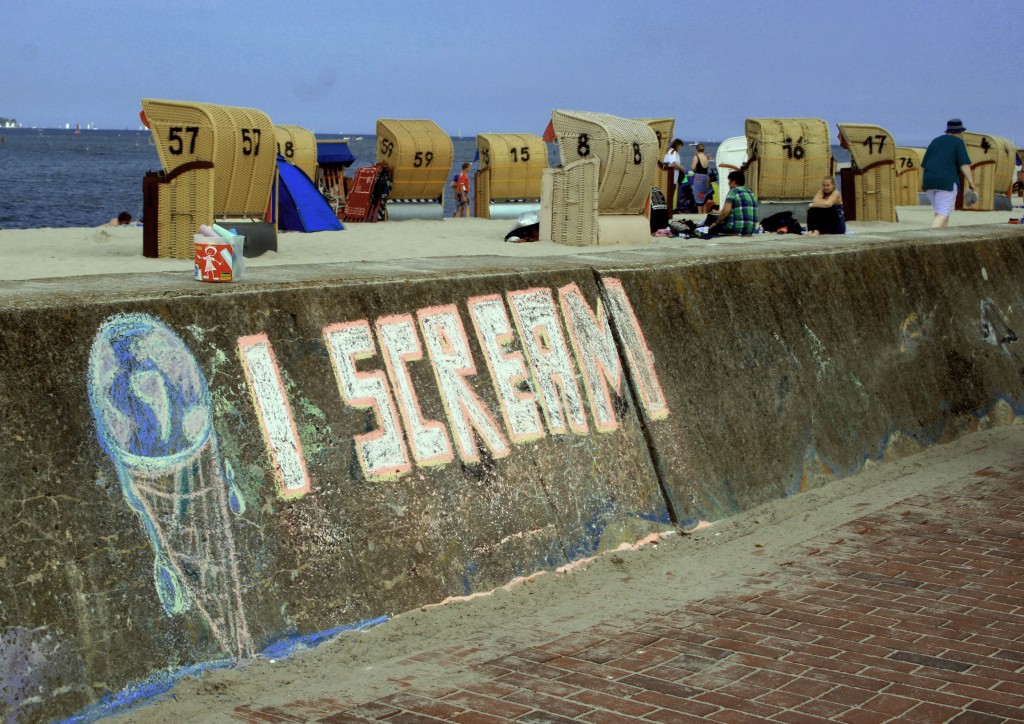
[(942, 201)]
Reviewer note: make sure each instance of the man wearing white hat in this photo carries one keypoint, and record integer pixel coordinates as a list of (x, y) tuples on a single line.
[(944, 161)]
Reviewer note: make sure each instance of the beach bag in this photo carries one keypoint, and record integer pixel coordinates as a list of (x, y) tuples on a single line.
[(455, 182), (712, 172), (784, 222), (659, 211)]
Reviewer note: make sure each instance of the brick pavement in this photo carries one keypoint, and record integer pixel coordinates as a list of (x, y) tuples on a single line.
[(910, 614)]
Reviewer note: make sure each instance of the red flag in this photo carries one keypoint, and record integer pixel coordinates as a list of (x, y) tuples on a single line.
[(549, 132)]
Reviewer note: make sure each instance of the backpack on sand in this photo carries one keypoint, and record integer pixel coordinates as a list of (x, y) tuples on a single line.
[(659, 211)]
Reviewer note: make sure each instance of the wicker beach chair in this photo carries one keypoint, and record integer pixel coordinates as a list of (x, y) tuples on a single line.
[(908, 175), (239, 141), (175, 204), (568, 209), (420, 156), (627, 150), (869, 187), (297, 145), (1006, 165), (511, 165), (627, 156), (1018, 186), (239, 144), (787, 157), (984, 152), (663, 130)]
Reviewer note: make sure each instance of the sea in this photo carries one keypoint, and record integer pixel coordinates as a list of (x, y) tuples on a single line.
[(55, 178)]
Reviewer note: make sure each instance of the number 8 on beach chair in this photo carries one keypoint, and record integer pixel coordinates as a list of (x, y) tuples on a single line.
[(626, 156)]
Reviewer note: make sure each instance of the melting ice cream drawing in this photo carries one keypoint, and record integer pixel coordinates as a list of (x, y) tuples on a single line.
[(154, 419)]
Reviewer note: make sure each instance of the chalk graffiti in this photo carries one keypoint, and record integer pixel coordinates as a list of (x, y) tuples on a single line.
[(453, 366), (400, 345), (914, 330), (38, 665), (507, 368), (382, 454), (153, 418), (532, 368), (594, 345), (275, 415), (546, 350), (995, 329), (638, 354), (550, 358)]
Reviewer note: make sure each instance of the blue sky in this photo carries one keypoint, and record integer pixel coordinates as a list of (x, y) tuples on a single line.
[(501, 67)]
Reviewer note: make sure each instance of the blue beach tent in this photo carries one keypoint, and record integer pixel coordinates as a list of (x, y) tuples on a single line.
[(301, 206)]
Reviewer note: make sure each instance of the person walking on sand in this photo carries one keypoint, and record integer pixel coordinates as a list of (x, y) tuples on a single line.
[(462, 193), (944, 160)]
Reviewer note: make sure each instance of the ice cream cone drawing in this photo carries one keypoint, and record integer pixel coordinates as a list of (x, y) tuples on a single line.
[(154, 419)]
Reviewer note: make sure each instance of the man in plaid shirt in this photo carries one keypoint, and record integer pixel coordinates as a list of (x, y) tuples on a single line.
[(739, 212)]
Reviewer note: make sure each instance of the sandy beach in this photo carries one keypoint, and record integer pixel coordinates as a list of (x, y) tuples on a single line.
[(47, 253)]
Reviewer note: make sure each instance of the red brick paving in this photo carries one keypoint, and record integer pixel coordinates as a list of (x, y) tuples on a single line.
[(911, 614)]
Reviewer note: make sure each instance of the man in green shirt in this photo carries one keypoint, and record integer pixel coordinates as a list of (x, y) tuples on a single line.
[(944, 161), (739, 212)]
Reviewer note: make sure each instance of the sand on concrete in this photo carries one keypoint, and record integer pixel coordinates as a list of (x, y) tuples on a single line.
[(47, 253), (618, 586)]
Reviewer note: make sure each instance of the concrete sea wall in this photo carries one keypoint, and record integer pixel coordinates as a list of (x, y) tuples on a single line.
[(196, 474)]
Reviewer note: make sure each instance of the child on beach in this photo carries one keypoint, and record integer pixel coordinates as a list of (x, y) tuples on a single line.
[(462, 193)]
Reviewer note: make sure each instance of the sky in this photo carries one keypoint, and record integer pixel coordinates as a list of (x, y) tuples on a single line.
[(492, 66)]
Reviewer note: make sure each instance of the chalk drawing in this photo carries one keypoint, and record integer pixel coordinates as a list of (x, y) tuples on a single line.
[(37, 665), (596, 353), (638, 354), (448, 347), (154, 419), (915, 329), (507, 368), (382, 453), (400, 345), (275, 415), (541, 335), (995, 328)]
